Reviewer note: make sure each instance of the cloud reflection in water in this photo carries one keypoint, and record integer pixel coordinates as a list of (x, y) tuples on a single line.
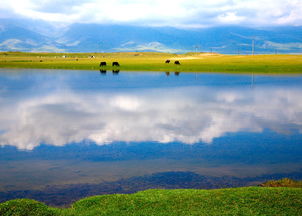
[(184, 114)]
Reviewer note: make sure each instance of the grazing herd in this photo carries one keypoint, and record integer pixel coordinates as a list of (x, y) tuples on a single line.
[(116, 64), (175, 62), (103, 64)]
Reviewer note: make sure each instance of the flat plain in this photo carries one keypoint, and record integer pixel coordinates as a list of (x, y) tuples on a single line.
[(152, 61)]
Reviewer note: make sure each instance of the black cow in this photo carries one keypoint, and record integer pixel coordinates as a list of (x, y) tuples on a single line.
[(115, 72), (167, 61), (103, 64), (176, 73), (177, 62), (103, 72), (115, 64)]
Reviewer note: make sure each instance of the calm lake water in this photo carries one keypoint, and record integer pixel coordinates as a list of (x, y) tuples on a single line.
[(78, 133)]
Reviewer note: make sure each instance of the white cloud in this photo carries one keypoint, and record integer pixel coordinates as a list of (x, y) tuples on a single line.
[(157, 12), (188, 115), (230, 18)]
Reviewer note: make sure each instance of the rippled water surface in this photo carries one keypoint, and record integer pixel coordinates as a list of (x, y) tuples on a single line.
[(63, 129)]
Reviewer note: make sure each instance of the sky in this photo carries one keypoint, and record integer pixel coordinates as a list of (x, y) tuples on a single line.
[(176, 13)]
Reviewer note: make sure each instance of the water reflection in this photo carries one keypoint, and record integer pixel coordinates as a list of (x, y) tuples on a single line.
[(189, 114), (115, 72), (176, 73), (103, 72), (135, 131)]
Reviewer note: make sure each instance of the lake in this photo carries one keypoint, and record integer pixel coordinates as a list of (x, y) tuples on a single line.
[(67, 134)]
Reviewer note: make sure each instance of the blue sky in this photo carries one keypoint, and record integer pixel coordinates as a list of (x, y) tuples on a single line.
[(176, 13)]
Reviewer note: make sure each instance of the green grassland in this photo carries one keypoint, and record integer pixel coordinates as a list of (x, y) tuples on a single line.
[(236, 201), (151, 61)]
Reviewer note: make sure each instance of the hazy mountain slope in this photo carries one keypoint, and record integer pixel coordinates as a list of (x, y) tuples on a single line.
[(14, 37), (229, 39), (41, 36)]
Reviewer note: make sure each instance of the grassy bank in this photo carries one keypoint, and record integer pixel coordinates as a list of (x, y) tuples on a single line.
[(236, 201), (148, 61)]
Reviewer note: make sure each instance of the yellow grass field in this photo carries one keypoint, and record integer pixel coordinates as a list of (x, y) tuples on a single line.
[(151, 61)]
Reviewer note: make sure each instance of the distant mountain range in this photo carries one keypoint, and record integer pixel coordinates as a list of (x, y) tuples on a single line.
[(38, 36)]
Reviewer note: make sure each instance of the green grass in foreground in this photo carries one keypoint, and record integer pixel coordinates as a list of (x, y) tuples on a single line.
[(236, 201), (149, 61)]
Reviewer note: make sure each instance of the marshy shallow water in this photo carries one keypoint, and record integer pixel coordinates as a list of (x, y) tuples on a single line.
[(76, 133)]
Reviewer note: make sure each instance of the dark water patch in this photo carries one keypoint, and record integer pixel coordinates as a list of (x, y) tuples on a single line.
[(67, 194)]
